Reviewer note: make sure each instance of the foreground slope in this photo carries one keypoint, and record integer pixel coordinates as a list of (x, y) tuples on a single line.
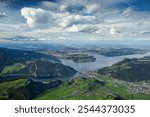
[(24, 89), (100, 88)]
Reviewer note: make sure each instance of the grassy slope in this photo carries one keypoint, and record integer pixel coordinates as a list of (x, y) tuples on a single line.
[(79, 89), (42, 68), (13, 68), (90, 89), (122, 91), (5, 86)]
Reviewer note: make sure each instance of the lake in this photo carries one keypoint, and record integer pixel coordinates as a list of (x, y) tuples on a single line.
[(101, 62)]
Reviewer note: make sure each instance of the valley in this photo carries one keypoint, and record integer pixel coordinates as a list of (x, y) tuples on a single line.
[(75, 50), (75, 73)]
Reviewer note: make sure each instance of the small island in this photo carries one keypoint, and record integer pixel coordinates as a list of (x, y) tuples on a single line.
[(80, 58)]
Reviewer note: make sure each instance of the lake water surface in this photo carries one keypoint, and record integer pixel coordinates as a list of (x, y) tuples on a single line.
[(101, 62)]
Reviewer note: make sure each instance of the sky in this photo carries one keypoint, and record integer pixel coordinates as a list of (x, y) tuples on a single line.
[(54, 20)]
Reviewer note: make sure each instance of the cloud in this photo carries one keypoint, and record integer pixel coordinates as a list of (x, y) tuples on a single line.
[(114, 31), (82, 28), (49, 5), (128, 12), (92, 8), (36, 17), (105, 18), (145, 32), (79, 7), (86, 6), (21, 38), (43, 18), (2, 14), (71, 19)]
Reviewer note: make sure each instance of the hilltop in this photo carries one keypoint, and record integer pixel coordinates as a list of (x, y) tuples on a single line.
[(11, 56), (23, 63), (132, 70), (37, 69)]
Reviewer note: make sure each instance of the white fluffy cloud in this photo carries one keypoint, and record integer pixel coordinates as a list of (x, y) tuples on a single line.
[(70, 20), (36, 17), (43, 18), (94, 17)]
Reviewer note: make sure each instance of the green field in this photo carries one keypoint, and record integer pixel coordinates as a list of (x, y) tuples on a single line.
[(88, 89), (13, 68), (79, 88)]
